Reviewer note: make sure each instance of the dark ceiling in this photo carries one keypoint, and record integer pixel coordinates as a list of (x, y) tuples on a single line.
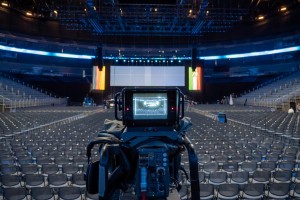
[(152, 17)]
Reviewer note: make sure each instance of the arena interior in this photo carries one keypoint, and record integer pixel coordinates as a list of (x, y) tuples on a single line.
[(236, 61)]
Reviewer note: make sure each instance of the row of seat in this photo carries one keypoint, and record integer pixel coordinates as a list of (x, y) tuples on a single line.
[(42, 193), (40, 180), (250, 191), (45, 169), (244, 177), (249, 166)]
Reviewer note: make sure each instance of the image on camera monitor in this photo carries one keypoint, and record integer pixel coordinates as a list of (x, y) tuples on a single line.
[(150, 106)]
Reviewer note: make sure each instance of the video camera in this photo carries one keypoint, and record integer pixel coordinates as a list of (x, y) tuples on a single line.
[(143, 160)]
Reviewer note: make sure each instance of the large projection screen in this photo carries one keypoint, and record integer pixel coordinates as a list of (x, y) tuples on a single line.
[(147, 76)]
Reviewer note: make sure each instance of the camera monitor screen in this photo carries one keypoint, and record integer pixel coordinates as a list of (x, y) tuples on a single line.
[(150, 106)]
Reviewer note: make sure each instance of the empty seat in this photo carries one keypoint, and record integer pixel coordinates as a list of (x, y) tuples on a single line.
[(228, 191), (253, 191), (210, 167), (230, 167), (61, 160), (282, 176), (29, 169), (278, 190), (249, 167), (79, 160), (286, 166), (24, 160), (272, 157), (58, 180), (268, 166), (288, 157), (70, 169), (206, 191), (42, 193), (221, 159), (69, 193), (217, 178), (9, 169), (34, 180), (49, 169), (7, 160), (9, 180), (240, 177), (238, 158), (261, 177), (15, 193), (43, 160), (204, 158)]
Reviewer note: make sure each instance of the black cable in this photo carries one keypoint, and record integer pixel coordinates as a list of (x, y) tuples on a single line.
[(186, 174)]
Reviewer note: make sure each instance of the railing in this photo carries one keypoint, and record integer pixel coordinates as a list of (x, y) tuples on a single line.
[(3, 102), (23, 103)]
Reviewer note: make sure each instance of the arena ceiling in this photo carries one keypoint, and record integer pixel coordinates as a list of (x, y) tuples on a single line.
[(151, 17)]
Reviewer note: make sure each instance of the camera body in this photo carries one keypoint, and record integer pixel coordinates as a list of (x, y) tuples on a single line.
[(145, 156)]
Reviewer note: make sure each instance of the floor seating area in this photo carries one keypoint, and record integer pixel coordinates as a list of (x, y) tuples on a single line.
[(239, 162), (48, 162), (236, 160)]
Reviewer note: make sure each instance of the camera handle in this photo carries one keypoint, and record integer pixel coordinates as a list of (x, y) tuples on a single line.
[(194, 176), (117, 106), (181, 114)]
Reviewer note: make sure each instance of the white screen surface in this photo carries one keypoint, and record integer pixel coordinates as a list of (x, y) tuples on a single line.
[(147, 76)]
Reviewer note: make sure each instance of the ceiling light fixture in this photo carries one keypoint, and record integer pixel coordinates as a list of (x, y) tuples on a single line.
[(29, 13), (4, 4), (261, 17), (283, 8)]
